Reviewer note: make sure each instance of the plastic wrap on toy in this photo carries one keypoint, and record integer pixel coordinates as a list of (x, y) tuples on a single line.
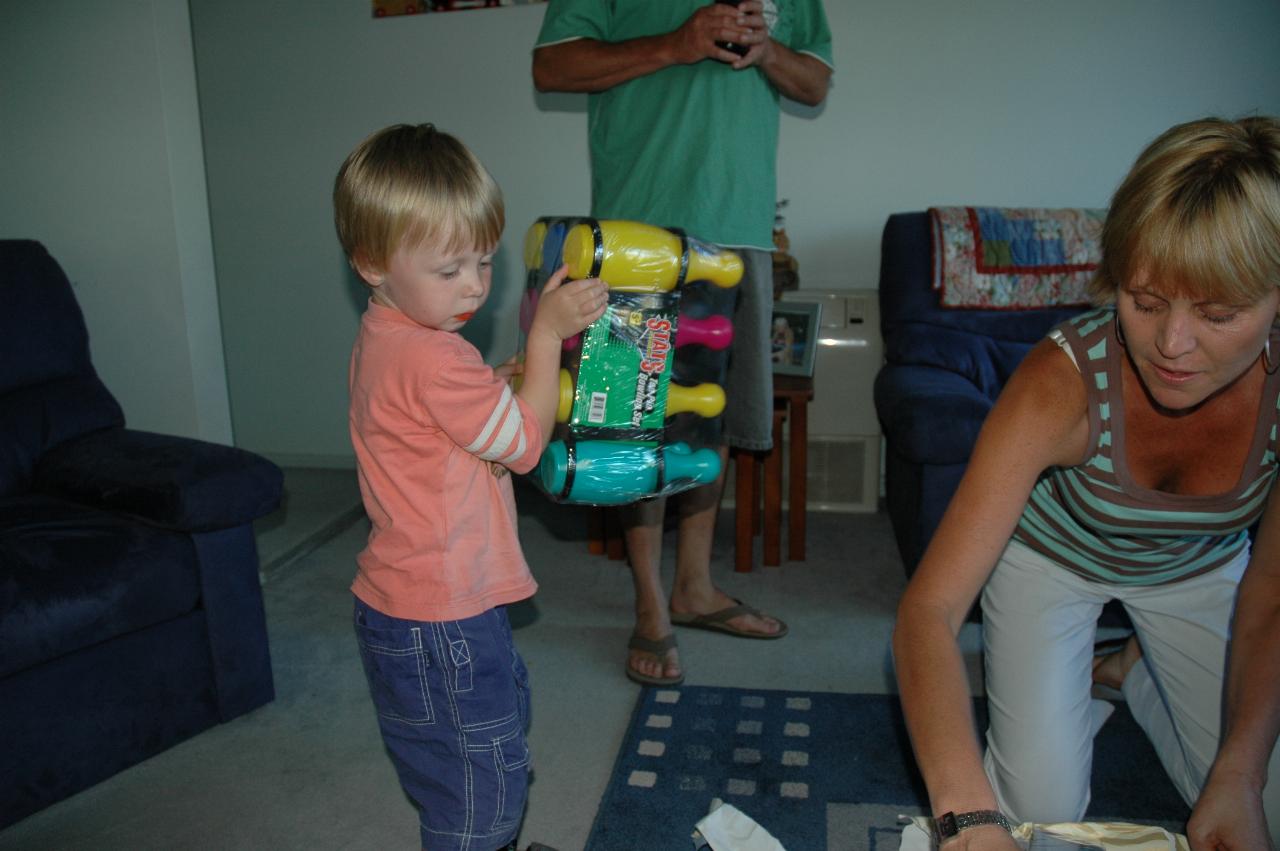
[(641, 389), (616, 472)]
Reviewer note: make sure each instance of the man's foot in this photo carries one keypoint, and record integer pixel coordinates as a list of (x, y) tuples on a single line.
[(723, 621), (653, 662), (1114, 659), (723, 613)]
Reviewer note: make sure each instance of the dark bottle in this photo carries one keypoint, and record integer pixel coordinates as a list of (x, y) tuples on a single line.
[(740, 49)]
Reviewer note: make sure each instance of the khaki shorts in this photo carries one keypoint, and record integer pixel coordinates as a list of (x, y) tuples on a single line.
[(748, 386)]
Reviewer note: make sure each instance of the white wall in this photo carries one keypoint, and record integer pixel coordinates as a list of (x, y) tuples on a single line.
[(1000, 102), (101, 160)]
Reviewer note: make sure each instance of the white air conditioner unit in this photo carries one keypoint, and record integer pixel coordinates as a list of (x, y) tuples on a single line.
[(844, 434)]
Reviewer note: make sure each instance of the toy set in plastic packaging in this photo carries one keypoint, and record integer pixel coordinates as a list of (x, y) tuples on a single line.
[(641, 389)]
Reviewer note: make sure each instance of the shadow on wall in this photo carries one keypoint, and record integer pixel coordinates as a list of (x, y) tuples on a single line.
[(559, 101)]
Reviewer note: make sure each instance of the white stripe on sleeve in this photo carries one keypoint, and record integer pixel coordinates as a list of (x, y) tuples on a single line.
[(515, 456), (512, 427), (495, 417)]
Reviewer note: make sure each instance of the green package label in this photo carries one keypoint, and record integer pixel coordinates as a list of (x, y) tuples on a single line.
[(625, 367)]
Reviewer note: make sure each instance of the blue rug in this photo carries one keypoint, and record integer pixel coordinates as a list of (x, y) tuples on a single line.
[(818, 770)]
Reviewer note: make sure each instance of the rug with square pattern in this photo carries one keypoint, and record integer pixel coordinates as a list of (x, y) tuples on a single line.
[(818, 770)]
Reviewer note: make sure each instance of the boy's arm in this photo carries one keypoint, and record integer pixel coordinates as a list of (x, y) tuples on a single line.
[(564, 309)]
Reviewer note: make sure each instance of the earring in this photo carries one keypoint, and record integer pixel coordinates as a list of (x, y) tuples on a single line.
[(1268, 365)]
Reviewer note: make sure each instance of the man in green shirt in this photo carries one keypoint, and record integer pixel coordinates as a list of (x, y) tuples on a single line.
[(684, 133)]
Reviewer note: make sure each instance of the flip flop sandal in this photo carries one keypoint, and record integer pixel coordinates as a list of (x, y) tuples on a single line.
[(719, 621), (1107, 646), (658, 650)]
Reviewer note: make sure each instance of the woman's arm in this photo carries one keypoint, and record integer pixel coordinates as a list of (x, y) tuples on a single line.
[(1039, 421), (1229, 813)]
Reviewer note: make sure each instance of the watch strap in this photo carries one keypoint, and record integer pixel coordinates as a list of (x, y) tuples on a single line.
[(949, 824)]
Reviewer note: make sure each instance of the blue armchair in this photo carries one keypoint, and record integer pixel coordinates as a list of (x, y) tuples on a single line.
[(131, 612), (943, 370)]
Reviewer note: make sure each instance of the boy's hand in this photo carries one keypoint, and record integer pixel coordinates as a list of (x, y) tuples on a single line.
[(564, 309)]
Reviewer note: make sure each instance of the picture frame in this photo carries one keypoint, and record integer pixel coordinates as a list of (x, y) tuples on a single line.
[(793, 337)]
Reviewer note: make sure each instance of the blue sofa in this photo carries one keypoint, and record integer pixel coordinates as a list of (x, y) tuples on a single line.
[(943, 370), (131, 612)]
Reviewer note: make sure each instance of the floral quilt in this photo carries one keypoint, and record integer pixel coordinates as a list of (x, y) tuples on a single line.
[(1014, 258)]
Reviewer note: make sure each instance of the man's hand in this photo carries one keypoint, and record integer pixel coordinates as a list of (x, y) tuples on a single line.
[(696, 38), (759, 43), (1228, 816)]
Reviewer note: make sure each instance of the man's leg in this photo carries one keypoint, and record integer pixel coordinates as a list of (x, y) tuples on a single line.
[(694, 592), (642, 530), (748, 422)]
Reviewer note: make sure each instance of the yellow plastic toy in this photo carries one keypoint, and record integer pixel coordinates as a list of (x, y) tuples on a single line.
[(705, 400), (638, 257), (617, 437)]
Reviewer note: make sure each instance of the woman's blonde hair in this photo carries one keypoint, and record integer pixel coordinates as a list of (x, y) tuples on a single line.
[(409, 185), (1198, 214)]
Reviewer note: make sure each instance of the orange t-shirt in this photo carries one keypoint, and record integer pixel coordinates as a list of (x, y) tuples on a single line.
[(427, 418)]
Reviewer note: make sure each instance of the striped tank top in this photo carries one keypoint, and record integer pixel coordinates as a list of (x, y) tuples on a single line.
[(1094, 520)]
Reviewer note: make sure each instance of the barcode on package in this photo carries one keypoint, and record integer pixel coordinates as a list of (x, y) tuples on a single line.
[(595, 413)]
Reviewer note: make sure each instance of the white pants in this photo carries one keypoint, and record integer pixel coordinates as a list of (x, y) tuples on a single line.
[(1039, 626)]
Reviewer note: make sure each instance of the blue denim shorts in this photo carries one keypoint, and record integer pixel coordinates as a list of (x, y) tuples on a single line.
[(748, 384), (453, 705)]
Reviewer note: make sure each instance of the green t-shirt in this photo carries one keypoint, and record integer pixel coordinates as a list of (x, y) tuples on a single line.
[(690, 146)]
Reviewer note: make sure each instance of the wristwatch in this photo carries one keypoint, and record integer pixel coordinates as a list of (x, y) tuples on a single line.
[(948, 825)]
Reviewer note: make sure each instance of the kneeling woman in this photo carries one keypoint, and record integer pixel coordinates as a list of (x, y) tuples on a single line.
[(1126, 459)]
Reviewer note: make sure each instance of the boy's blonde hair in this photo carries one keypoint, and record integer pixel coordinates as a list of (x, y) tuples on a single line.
[(1198, 214), (407, 185)]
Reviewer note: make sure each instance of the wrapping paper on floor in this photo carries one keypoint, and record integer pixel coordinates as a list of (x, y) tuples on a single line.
[(918, 836)]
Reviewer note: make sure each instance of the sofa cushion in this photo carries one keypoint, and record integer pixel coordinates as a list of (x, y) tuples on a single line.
[(36, 418), (984, 361), (49, 391), (42, 331), (72, 576), (175, 482), (933, 415)]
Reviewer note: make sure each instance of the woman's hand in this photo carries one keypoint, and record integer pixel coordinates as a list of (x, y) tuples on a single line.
[(1228, 816), (565, 309)]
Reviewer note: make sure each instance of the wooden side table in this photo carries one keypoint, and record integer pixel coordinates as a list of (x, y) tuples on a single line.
[(791, 396)]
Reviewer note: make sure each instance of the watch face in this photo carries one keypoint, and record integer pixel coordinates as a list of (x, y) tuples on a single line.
[(946, 825)]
